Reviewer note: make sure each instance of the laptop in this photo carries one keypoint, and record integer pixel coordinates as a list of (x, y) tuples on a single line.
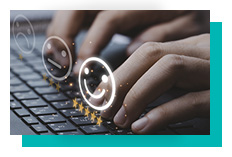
[(38, 108)]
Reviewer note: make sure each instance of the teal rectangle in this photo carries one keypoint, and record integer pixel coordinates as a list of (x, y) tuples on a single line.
[(212, 140)]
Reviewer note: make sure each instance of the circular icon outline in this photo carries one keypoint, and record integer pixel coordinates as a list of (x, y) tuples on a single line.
[(13, 29), (70, 61), (112, 80)]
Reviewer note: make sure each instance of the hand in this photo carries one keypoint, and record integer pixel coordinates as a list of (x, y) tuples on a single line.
[(153, 69), (66, 24), (186, 25), (156, 26)]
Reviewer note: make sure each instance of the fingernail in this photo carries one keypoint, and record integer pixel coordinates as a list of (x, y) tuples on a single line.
[(77, 67), (120, 117), (140, 124), (107, 114), (133, 47)]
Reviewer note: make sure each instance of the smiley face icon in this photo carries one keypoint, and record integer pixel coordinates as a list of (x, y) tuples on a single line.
[(56, 70), (106, 78), (25, 40)]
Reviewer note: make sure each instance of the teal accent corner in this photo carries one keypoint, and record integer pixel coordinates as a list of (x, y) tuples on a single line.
[(212, 140)]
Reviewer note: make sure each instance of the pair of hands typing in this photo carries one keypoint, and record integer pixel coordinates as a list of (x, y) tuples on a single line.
[(167, 51)]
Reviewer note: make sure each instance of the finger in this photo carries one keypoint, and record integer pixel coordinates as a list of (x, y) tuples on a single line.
[(97, 101), (65, 25), (188, 73), (179, 28), (107, 23), (57, 47), (201, 41), (186, 107), (95, 39), (144, 57)]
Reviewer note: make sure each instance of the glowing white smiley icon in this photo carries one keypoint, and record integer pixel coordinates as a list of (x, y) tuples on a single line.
[(104, 79), (64, 54), (25, 35)]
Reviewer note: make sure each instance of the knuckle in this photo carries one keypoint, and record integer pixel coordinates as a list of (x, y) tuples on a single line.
[(173, 62), (132, 95), (162, 112), (151, 49)]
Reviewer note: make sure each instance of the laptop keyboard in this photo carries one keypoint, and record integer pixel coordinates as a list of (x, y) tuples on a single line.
[(49, 112), (41, 107)]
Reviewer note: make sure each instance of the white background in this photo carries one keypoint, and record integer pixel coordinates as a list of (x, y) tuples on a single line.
[(12, 145)]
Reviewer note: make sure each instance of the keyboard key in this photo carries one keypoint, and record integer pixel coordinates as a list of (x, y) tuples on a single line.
[(15, 81), (78, 132), (22, 112), (19, 88), (32, 76), (81, 120), (30, 120), (47, 133), (42, 72), (38, 83), (12, 75), (73, 94), (13, 52), (38, 66), (71, 113), (55, 97), (13, 58), (11, 98), (42, 111), (62, 105), (16, 63), (15, 105), (34, 103), (67, 87), (33, 55), (39, 128), (103, 134), (59, 127), (121, 132), (46, 90), (22, 69), (35, 63), (26, 95), (29, 58), (110, 125), (52, 119), (130, 133), (93, 129)]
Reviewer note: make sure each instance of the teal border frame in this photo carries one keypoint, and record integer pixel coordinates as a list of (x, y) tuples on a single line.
[(212, 140)]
